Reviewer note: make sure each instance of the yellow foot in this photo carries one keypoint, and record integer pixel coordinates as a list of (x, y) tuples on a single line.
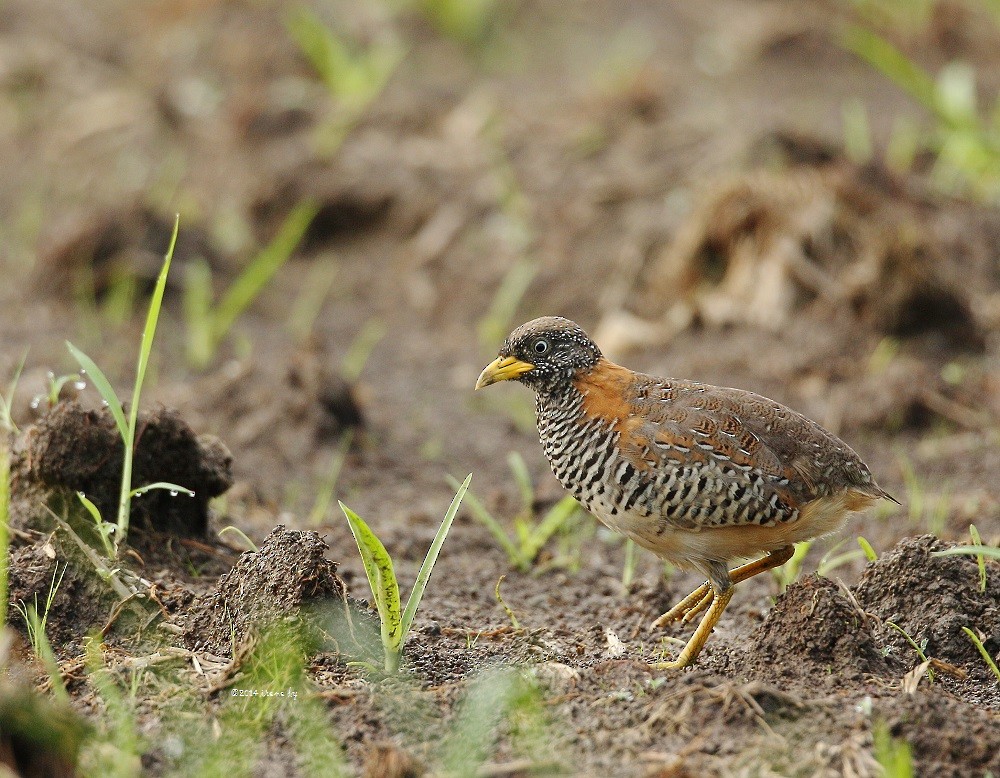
[(702, 597), (690, 652), (688, 608), (674, 665)]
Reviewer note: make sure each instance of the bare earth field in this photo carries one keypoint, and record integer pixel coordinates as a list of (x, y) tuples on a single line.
[(676, 177)]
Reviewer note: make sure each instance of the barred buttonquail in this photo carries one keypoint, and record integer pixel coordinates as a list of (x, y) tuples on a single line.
[(698, 474)]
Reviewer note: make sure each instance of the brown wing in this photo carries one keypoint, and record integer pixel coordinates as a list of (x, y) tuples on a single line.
[(744, 459)]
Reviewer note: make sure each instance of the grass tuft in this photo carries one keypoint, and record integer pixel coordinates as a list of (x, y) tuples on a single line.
[(530, 536), (35, 624)]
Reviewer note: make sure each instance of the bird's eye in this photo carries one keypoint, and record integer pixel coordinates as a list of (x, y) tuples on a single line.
[(541, 346)]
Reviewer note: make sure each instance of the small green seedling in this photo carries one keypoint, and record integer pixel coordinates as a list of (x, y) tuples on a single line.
[(832, 560), (360, 349), (529, 536), (507, 609), (116, 748), (207, 326), (962, 136), (465, 21), (498, 700), (35, 624), (866, 547), (241, 535), (924, 509), (893, 754), (56, 384), (918, 648), (789, 572), (493, 327), (983, 652), (396, 622), (312, 296), (127, 428), (980, 559), (325, 494)]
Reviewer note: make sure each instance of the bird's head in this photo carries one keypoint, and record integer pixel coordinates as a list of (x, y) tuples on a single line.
[(542, 353)]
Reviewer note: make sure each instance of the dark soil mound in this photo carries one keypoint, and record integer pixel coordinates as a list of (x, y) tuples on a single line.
[(933, 598), (287, 574), (815, 633), (947, 737), (81, 601), (76, 450)]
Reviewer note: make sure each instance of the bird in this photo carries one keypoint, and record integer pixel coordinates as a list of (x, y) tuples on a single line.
[(700, 475)]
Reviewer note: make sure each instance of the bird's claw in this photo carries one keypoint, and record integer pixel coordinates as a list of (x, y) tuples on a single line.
[(686, 610)]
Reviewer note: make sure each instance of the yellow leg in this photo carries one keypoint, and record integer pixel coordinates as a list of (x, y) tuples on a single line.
[(702, 597), (697, 641)]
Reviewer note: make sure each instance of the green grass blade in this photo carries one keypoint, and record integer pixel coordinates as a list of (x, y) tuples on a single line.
[(173, 488), (827, 566), (103, 386), (7, 401), (319, 45), (523, 480), (557, 516), (894, 65), (491, 698), (262, 268), (152, 317), (325, 494), (145, 348), (361, 348), (982, 651), (920, 651), (382, 579), (870, 554), (423, 576), (198, 312), (987, 551), (893, 755), (980, 559), (631, 558), (35, 625), (240, 534), (484, 517), (102, 528), (492, 328), (316, 288)]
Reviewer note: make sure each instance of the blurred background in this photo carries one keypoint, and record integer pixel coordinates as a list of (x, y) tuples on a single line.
[(795, 198)]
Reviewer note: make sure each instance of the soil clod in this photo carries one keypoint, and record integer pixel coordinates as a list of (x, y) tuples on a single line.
[(286, 575), (932, 598), (814, 632), (76, 450)]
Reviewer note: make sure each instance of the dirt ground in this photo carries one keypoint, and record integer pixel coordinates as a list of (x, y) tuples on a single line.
[(671, 175)]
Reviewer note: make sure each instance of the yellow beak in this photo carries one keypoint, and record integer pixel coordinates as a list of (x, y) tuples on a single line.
[(503, 369)]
